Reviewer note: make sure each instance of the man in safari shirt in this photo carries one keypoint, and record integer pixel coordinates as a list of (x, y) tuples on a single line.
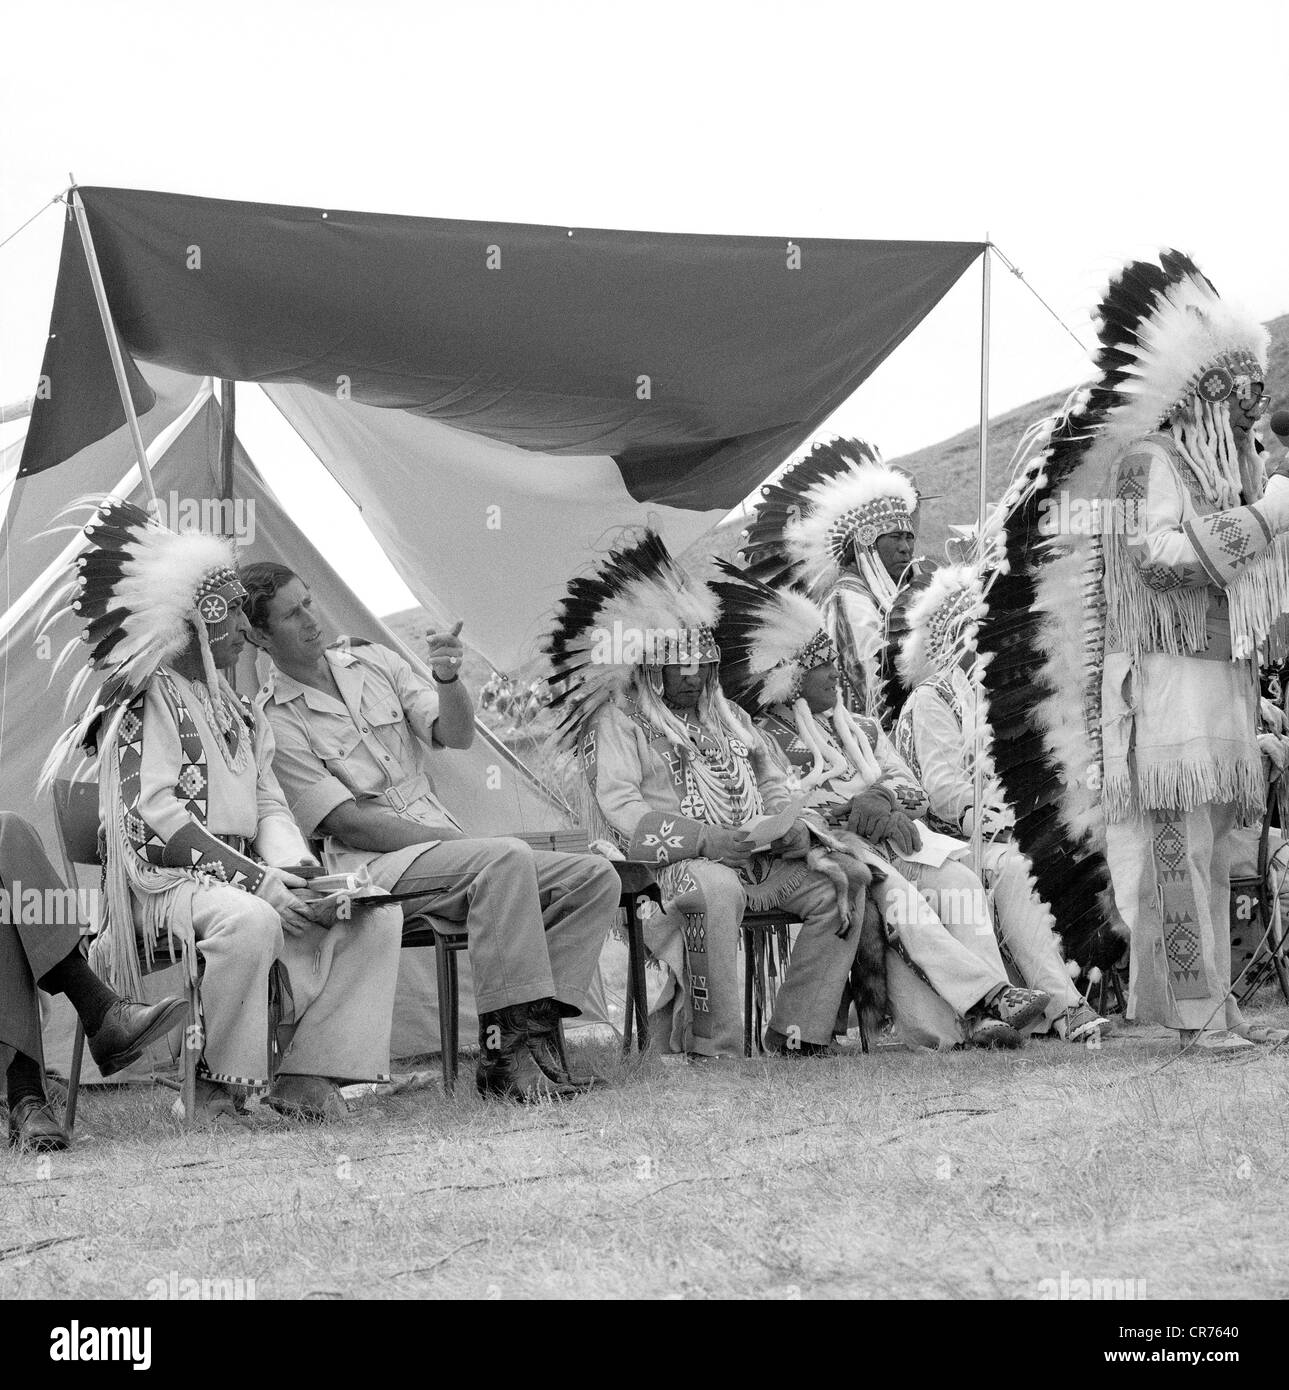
[(354, 728)]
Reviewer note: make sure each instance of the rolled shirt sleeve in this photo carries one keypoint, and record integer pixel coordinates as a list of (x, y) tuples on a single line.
[(420, 702)]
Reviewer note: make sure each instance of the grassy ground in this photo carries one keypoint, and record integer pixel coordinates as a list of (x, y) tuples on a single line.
[(893, 1175)]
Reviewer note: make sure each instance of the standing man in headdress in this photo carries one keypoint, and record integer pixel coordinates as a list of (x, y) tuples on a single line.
[(1146, 572), (200, 846), (840, 525), (1195, 579)]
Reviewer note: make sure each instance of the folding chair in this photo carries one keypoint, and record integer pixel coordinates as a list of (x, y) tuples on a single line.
[(447, 938), (637, 882), (424, 929), (767, 951), (76, 824), (767, 947), (1255, 910)]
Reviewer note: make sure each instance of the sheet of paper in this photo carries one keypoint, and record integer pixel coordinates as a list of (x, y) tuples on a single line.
[(764, 830)]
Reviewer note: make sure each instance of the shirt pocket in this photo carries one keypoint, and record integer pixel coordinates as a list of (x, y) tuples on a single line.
[(382, 709), (335, 742)]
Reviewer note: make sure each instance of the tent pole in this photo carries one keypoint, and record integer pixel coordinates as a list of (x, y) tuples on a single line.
[(113, 344), (227, 436), (977, 829), (6, 527)]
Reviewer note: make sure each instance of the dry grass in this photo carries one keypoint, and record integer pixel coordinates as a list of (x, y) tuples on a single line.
[(965, 1175)]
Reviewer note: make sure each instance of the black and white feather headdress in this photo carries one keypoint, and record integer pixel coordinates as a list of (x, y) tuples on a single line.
[(1162, 327), (140, 590), (840, 495), (639, 608), (942, 620), (769, 639)]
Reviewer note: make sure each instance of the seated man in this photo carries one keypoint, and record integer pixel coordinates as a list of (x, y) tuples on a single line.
[(199, 839), (934, 737), (779, 662), (675, 773), (43, 948), (353, 729)]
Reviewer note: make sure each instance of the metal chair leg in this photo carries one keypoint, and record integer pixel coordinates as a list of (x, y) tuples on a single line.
[(447, 1014), (638, 989), (749, 965), (74, 1079), (191, 1052), (1275, 944), (454, 1007), (629, 1004)]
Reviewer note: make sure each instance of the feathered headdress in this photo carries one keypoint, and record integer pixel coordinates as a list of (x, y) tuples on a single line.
[(769, 640), (942, 621), (638, 609), (1163, 330), (839, 495), (140, 590), (1187, 343)]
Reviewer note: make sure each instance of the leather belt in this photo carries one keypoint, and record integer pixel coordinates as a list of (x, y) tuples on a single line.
[(399, 798)]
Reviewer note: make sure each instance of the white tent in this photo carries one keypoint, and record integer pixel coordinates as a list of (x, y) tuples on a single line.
[(494, 428), (491, 792)]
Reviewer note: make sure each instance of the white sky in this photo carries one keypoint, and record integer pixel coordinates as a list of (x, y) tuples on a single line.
[(1074, 140)]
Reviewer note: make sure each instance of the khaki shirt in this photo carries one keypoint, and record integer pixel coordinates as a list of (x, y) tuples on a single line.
[(372, 746)]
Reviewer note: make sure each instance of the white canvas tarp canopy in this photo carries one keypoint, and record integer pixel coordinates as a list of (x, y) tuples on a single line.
[(496, 399)]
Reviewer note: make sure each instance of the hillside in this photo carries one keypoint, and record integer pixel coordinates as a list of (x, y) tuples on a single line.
[(946, 472), (948, 469)]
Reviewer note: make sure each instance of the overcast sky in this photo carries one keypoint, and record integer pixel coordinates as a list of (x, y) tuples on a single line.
[(1075, 136)]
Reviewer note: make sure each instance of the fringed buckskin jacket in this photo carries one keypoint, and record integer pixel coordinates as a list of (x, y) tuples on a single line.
[(1185, 586)]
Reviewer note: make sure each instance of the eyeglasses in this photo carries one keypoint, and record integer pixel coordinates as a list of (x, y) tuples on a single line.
[(1220, 384)]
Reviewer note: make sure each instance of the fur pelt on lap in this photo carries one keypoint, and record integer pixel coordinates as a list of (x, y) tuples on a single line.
[(848, 863)]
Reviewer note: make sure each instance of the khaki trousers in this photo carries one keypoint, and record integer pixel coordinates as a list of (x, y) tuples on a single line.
[(535, 919)]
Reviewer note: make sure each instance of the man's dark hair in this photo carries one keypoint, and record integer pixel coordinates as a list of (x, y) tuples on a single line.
[(262, 580)]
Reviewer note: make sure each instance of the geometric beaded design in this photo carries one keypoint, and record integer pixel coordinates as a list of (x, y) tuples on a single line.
[(192, 846)]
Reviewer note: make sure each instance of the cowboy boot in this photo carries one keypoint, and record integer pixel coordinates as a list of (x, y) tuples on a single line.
[(507, 1068), (127, 1028), (546, 1043)]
